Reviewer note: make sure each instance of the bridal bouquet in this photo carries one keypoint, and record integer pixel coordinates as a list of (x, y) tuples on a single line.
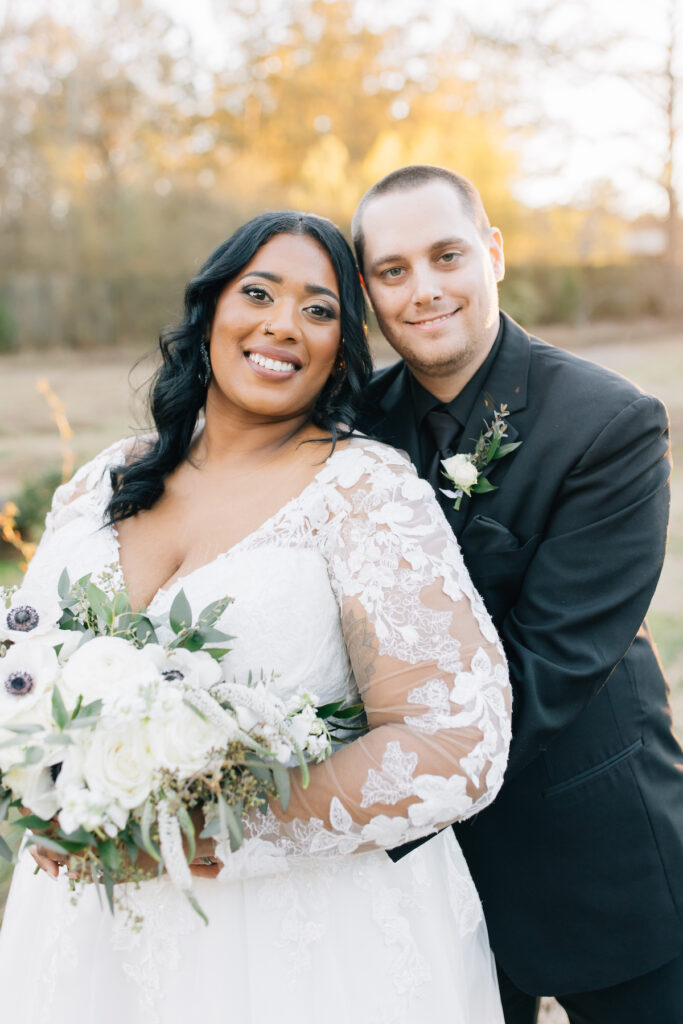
[(112, 742)]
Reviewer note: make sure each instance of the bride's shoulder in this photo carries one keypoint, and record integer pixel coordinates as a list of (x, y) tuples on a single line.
[(368, 465), (92, 480)]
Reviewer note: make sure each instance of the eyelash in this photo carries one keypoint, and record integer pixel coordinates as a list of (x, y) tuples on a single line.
[(260, 295)]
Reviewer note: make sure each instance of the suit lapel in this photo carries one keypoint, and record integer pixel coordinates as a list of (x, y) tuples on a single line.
[(395, 423), (506, 383)]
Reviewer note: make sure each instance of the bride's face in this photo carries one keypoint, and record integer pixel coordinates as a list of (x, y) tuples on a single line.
[(276, 331)]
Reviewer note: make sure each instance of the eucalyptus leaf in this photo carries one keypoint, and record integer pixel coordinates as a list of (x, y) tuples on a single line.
[(32, 821), (230, 822), (258, 769), (121, 604), (23, 728), (80, 835), (505, 449), (108, 883), (329, 709), (209, 635), (5, 802), (109, 855), (213, 611), (5, 851), (186, 824), (217, 652), (100, 604), (282, 783), (144, 631), (49, 844), (59, 712), (87, 711), (60, 739), (212, 828), (88, 634), (64, 586), (180, 615), (33, 755), (148, 819), (483, 486), (192, 900)]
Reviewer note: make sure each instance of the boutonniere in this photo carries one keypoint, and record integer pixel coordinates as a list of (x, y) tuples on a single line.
[(464, 470)]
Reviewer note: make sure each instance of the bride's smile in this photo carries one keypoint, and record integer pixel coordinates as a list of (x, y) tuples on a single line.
[(276, 332)]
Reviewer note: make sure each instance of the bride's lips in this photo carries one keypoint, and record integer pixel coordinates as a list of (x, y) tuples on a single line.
[(272, 363), (433, 323)]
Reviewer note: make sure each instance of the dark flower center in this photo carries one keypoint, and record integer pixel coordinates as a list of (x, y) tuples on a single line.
[(172, 674), (19, 684), (23, 619)]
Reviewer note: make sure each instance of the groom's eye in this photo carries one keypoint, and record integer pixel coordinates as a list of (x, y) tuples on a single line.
[(392, 272)]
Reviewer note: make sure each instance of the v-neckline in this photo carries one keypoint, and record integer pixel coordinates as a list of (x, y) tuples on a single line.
[(169, 586)]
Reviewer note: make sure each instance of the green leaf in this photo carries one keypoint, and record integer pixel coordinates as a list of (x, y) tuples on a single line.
[(80, 836), (109, 855), (282, 783), (108, 883), (144, 631), (5, 801), (23, 728), (351, 712), (491, 451), (482, 486), (192, 900), (32, 821), (505, 449), (59, 712), (230, 823), (209, 635), (87, 711), (5, 851), (60, 739), (186, 824), (217, 652), (180, 615), (258, 768), (212, 828), (326, 710), (131, 849), (88, 634), (100, 603), (213, 611), (33, 755), (64, 586), (121, 604), (148, 819)]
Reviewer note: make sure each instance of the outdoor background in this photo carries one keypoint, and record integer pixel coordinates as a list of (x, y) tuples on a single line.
[(135, 135)]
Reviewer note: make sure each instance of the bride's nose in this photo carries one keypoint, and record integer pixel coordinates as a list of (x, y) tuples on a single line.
[(282, 322)]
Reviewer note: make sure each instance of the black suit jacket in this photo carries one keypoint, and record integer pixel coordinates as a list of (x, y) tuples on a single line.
[(579, 861)]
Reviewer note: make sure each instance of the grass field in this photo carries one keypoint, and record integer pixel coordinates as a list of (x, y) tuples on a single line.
[(96, 390)]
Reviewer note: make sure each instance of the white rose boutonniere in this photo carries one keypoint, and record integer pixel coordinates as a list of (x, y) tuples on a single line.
[(464, 470)]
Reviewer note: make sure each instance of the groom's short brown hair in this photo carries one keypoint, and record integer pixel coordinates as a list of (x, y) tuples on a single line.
[(412, 177)]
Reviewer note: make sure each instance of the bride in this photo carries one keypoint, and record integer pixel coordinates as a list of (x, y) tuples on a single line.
[(346, 581)]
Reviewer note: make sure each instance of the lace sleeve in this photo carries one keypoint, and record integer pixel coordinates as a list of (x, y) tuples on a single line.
[(428, 665)]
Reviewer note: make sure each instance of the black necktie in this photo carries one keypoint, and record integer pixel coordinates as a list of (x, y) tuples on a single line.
[(444, 430)]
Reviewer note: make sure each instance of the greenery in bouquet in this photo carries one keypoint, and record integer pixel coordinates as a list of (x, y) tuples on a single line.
[(119, 732)]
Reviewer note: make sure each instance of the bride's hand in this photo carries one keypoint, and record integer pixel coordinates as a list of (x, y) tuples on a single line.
[(49, 860)]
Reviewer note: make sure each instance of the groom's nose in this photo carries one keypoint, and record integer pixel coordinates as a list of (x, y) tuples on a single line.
[(426, 285)]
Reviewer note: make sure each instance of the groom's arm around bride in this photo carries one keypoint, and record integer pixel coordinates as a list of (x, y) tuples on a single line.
[(579, 861)]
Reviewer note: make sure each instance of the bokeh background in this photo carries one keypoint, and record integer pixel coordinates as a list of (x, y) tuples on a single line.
[(135, 135)]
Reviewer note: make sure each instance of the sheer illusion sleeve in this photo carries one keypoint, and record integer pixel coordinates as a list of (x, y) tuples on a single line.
[(429, 668)]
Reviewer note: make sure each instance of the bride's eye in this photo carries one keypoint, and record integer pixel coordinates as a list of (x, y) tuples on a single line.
[(321, 312), (254, 291)]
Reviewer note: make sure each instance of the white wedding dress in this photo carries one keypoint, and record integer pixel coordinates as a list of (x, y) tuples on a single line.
[(356, 585)]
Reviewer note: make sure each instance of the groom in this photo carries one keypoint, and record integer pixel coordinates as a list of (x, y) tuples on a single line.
[(579, 861)]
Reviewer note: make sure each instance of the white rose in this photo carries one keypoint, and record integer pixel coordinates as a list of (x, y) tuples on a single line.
[(118, 763), (105, 667), (35, 788), (461, 471), (182, 742), (27, 674), (29, 615)]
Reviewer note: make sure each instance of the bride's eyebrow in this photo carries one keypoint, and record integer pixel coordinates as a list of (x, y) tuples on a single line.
[(312, 289)]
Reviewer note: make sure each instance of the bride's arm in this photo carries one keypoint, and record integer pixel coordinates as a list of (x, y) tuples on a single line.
[(429, 668)]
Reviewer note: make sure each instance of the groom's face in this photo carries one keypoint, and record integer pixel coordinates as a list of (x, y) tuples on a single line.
[(431, 275)]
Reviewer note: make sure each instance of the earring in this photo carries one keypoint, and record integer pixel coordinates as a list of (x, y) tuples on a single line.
[(340, 364), (204, 372)]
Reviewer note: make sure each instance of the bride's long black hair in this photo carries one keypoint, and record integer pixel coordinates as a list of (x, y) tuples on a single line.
[(177, 394)]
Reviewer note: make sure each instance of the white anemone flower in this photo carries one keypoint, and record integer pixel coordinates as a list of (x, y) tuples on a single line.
[(27, 673), (28, 616)]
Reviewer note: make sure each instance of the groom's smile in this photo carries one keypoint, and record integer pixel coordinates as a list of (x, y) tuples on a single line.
[(431, 275)]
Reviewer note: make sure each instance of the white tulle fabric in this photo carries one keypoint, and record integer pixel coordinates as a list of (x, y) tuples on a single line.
[(355, 587)]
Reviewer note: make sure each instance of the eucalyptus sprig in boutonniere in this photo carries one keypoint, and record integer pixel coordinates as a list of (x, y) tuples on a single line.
[(465, 469)]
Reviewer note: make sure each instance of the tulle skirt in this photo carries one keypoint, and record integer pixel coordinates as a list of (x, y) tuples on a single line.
[(353, 939)]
